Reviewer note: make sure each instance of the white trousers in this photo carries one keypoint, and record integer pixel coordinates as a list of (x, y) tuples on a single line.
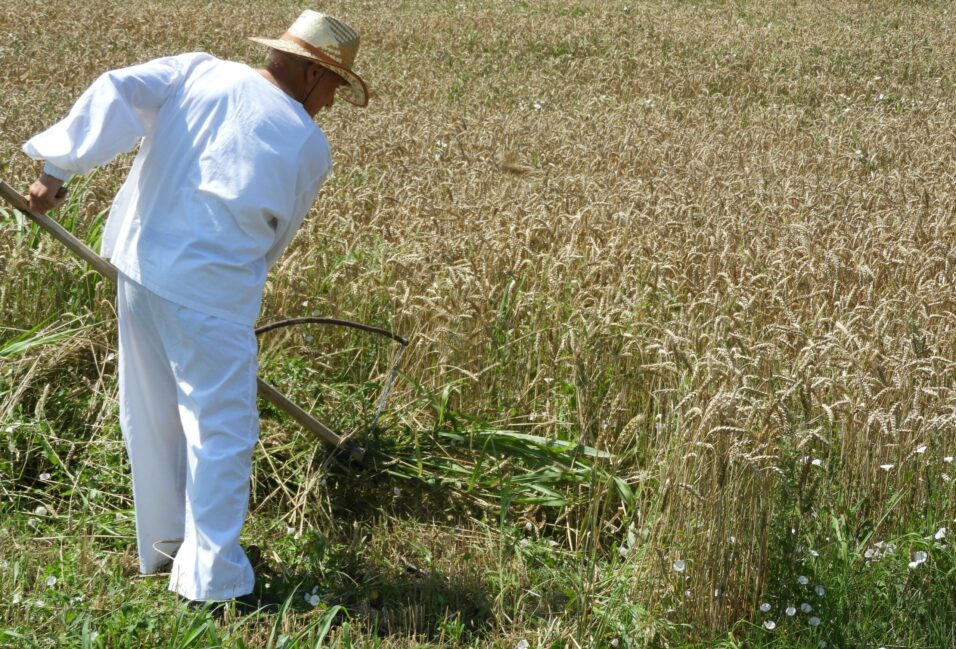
[(190, 422)]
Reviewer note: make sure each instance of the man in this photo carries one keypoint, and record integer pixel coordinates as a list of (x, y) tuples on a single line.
[(230, 163)]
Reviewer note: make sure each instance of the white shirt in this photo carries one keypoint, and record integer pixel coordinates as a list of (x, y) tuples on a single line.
[(228, 168)]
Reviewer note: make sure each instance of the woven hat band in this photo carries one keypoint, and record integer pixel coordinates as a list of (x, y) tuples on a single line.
[(320, 54)]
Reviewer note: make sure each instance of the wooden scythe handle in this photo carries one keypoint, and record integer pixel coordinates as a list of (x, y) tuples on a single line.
[(61, 234), (109, 271)]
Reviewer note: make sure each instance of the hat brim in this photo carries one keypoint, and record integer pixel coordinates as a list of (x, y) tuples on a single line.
[(355, 91)]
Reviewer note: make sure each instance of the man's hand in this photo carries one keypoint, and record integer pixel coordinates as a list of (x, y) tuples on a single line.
[(45, 194)]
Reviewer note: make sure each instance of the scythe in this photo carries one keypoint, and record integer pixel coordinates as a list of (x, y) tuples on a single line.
[(266, 391)]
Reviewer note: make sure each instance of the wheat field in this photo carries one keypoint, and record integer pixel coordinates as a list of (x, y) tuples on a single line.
[(708, 249)]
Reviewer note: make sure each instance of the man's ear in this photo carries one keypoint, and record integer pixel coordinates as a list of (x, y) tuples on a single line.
[(314, 72)]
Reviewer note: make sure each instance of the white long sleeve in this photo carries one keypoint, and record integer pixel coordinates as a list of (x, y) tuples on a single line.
[(109, 118), (228, 168)]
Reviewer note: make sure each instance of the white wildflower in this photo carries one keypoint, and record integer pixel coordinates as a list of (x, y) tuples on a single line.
[(814, 621), (765, 607), (817, 462), (39, 603), (919, 557), (522, 644), (45, 477), (791, 611), (17, 598), (940, 534), (679, 565), (94, 635), (40, 511), (770, 625), (948, 459), (33, 523), (528, 527), (879, 551), (803, 580), (820, 590), (315, 600), (806, 608), (51, 581), (921, 449), (536, 105), (814, 553)]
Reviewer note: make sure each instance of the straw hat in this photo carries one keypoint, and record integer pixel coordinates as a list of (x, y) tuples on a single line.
[(330, 43)]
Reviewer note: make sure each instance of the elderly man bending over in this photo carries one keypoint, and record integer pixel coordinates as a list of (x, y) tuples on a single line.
[(230, 163)]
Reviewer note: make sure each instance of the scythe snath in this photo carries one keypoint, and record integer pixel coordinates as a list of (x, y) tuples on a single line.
[(266, 391)]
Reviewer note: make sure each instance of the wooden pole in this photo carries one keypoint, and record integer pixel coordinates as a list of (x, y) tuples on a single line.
[(109, 271)]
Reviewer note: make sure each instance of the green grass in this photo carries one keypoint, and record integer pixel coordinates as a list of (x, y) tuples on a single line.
[(449, 537)]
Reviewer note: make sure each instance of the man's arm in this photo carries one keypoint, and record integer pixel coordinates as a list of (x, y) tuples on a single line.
[(314, 166), (109, 118)]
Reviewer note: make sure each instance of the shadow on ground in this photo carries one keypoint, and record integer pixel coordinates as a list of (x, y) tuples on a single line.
[(413, 601)]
